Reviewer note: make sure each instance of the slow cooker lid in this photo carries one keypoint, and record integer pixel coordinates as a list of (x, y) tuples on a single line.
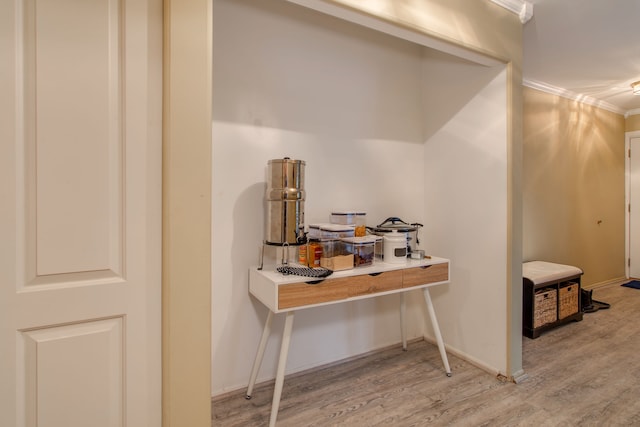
[(395, 223)]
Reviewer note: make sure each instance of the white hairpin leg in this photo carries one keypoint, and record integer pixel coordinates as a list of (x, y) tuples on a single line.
[(284, 350), (266, 331), (403, 310), (436, 331)]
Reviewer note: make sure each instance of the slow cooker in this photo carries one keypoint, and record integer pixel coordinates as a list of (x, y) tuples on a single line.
[(396, 224)]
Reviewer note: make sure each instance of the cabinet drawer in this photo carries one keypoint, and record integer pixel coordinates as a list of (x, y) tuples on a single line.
[(301, 294), (370, 284), (424, 275), (306, 293)]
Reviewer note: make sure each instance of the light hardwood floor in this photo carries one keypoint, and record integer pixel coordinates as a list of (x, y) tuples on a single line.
[(581, 374)]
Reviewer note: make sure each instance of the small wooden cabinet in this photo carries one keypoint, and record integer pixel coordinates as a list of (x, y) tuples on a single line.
[(551, 296)]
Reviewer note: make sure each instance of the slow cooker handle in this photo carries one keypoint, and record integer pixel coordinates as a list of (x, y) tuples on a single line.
[(417, 225), (393, 220)]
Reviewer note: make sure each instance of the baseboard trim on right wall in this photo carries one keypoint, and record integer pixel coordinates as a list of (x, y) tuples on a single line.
[(618, 281)]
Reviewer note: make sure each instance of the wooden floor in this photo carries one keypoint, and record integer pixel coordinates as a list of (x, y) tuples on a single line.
[(581, 374)]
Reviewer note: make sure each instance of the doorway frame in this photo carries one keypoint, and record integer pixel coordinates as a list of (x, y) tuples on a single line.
[(627, 199), (186, 212)]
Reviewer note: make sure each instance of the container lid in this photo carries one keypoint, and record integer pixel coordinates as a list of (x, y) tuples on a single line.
[(362, 240), (324, 226), (345, 213), (286, 160), (337, 227), (394, 223)]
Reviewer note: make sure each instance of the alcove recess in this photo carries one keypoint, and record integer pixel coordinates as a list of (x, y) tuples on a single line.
[(387, 118)]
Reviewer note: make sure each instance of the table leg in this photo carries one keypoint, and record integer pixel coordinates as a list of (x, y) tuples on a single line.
[(284, 350), (436, 331), (403, 310), (266, 331)]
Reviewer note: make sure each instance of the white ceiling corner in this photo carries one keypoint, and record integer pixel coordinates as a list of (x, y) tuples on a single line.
[(588, 48), (634, 112), (522, 8)]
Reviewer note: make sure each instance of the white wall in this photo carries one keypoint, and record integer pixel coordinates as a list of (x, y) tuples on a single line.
[(289, 82), (350, 102), (466, 198)]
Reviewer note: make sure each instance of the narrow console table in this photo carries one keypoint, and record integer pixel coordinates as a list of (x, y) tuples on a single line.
[(287, 293)]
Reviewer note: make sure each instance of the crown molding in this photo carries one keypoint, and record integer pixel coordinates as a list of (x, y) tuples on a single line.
[(522, 8), (632, 113), (573, 96)]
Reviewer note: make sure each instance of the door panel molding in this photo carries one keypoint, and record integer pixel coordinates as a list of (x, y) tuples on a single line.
[(70, 106), (70, 391)]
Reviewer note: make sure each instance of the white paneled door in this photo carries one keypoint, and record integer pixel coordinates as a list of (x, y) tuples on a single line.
[(634, 208), (80, 213)]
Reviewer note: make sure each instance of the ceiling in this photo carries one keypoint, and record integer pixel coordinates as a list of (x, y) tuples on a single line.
[(586, 49)]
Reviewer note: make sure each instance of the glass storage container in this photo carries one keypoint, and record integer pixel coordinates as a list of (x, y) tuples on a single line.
[(349, 218), (335, 255), (362, 248)]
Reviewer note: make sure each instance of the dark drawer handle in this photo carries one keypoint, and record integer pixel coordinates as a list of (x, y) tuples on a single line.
[(314, 282), (424, 267), (375, 274)]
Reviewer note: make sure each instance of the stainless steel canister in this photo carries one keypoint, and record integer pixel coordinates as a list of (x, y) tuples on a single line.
[(285, 201)]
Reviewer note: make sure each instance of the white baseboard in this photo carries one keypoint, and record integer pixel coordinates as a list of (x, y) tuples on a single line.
[(618, 281), (467, 358)]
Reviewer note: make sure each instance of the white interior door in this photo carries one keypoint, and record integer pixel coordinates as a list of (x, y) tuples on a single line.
[(634, 210), (80, 213)]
